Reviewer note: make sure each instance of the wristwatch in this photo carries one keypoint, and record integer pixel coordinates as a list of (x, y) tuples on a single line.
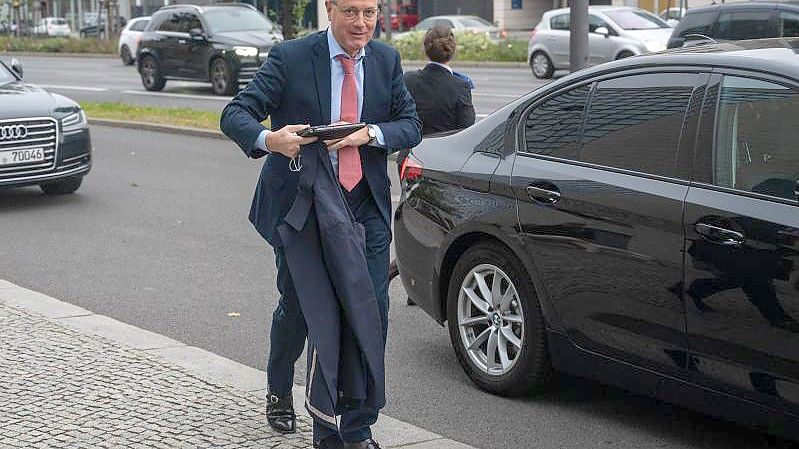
[(372, 134)]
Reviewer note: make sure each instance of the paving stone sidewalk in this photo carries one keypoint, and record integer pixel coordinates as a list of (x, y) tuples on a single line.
[(61, 388), (73, 379)]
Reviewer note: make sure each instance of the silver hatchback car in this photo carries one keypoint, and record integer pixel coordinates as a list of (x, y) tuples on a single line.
[(615, 32)]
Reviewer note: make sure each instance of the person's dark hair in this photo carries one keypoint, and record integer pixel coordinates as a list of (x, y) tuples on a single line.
[(439, 44)]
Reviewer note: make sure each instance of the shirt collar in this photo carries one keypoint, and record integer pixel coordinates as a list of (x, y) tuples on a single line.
[(335, 48), (449, 69)]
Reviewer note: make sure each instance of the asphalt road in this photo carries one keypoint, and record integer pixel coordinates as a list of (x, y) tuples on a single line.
[(106, 79), (158, 237)]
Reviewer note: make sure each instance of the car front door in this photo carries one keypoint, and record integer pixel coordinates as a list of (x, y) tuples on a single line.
[(601, 47), (742, 231), (557, 40), (601, 191), (169, 52), (193, 50)]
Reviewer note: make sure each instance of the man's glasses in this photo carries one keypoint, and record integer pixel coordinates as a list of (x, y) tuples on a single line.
[(352, 13)]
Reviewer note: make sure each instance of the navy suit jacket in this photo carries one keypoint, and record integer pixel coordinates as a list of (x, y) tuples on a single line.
[(293, 87)]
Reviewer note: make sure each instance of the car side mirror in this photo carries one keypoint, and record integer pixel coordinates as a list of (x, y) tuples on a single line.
[(197, 34), (16, 66), (603, 31)]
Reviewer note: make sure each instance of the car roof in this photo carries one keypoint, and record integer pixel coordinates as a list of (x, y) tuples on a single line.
[(455, 16), (778, 56), (746, 5), (591, 8)]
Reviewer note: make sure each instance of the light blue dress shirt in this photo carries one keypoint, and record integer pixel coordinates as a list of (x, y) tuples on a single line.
[(336, 82)]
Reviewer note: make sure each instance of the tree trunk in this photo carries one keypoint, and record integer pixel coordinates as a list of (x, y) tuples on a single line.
[(287, 19)]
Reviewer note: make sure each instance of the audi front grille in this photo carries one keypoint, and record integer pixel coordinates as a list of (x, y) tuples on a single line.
[(28, 133)]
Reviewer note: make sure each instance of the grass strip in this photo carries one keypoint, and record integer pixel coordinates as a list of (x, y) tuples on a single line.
[(189, 117)]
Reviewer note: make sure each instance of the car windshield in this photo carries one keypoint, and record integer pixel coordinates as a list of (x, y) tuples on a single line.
[(221, 20), (629, 19), (475, 22), (5, 75)]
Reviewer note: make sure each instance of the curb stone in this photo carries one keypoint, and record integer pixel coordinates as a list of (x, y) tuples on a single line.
[(230, 377)]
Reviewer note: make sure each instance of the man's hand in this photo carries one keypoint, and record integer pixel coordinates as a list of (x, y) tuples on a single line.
[(356, 139), (286, 141)]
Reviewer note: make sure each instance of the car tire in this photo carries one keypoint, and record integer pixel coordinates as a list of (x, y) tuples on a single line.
[(62, 186), (624, 54), (222, 80), (150, 73), (127, 58), (541, 65), (513, 321)]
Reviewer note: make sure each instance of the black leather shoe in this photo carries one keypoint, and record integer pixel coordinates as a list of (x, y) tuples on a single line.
[(333, 442), (280, 413), (365, 444)]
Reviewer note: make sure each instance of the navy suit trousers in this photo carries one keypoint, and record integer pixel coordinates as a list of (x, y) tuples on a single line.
[(288, 334)]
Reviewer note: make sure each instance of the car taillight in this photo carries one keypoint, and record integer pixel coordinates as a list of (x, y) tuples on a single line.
[(411, 169)]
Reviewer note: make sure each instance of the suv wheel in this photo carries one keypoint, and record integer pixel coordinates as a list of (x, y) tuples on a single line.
[(127, 58), (62, 186), (151, 76), (495, 322), (541, 65), (222, 80)]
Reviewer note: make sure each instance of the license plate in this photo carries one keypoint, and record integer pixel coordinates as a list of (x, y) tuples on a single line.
[(14, 157)]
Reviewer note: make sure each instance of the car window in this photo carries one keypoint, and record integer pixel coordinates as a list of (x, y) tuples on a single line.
[(697, 23), (560, 22), (475, 22), (744, 25), (171, 23), (631, 19), (189, 21), (756, 138), (59, 21), (226, 18), (5, 75), (789, 24), (634, 122), (595, 22), (425, 24), (138, 25), (553, 127)]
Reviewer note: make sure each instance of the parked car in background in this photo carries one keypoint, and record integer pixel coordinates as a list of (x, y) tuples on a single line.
[(673, 15), (461, 24), (53, 27), (405, 19), (44, 137), (615, 32), (736, 21), (129, 39), (635, 222), (223, 43)]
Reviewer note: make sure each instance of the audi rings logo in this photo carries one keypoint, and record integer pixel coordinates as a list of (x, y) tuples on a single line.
[(12, 132)]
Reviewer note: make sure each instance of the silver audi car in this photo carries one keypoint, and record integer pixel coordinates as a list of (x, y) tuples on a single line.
[(615, 32)]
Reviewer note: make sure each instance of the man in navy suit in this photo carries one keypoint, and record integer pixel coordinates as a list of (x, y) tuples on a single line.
[(332, 76)]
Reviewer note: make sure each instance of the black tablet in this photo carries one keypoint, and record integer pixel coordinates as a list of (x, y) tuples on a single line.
[(330, 132)]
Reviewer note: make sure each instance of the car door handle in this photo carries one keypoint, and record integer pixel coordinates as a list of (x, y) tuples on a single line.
[(720, 235), (182, 41), (542, 194)]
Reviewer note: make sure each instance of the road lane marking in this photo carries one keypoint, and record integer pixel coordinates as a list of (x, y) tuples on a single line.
[(166, 94), (91, 89)]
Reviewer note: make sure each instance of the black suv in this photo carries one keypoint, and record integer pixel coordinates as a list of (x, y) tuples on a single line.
[(736, 21), (222, 43), (44, 137)]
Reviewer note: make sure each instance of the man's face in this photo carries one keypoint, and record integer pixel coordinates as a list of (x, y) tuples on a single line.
[(352, 22)]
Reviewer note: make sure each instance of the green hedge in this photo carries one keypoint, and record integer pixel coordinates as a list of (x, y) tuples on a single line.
[(57, 45), (471, 47)]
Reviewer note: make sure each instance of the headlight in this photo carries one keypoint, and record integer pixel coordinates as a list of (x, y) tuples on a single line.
[(74, 121), (246, 52)]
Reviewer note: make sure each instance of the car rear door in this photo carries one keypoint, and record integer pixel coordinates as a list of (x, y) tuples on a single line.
[(742, 230), (601, 185)]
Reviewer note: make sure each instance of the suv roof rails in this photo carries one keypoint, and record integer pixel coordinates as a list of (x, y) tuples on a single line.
[(180, 5), (200, 8), (222, 3)]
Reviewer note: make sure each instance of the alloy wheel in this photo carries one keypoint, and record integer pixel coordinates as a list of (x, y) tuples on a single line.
[(219, 77), (540, 65), (490, 319), (148, 72)]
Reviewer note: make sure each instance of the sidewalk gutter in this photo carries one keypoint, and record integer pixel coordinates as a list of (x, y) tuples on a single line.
[(409, 62), (245, 382)]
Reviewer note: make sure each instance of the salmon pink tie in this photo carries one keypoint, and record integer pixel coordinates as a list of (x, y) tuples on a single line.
[(349, 160)]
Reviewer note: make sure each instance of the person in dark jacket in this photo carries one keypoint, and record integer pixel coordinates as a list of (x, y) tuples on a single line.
[(443, 98)]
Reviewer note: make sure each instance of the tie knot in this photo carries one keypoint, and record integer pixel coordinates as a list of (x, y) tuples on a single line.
[(346, 62)]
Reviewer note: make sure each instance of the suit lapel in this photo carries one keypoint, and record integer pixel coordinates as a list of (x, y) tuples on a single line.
[(321, 65), (369, 81)]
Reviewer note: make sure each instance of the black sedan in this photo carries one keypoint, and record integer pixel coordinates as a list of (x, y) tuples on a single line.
[(637, 223), (44, 137)]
